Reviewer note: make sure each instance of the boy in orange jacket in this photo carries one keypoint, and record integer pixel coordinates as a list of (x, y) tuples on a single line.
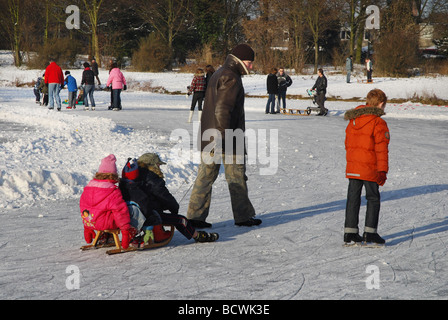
[(366, 143)]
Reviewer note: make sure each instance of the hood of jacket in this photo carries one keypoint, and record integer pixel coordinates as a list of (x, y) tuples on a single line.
[(100, 190), (362, 115)]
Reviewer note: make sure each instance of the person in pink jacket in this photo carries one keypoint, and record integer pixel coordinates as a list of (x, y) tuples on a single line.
[(118, 82), (102, 206)]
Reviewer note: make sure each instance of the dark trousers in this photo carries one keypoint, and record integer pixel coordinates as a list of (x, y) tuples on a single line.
[(271, 103), (354, 204), (281, 97), (182, 224), (37, 95), (116, 103), (198, 97), (320, 100)]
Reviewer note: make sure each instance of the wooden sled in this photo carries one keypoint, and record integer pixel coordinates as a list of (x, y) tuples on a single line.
[(117, 242), (365, 81), (296, 112)]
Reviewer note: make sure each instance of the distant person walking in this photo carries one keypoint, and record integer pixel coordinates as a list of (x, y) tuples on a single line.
[(88, 80), (95, 70), (349, 67), (284, 82), (321, 91), (197, 88), (118, 82), (54, 78), (272, 89), (369, 70)]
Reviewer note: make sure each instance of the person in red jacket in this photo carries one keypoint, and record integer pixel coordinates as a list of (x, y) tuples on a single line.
[(102, 206), (366, 143), (55, 81)]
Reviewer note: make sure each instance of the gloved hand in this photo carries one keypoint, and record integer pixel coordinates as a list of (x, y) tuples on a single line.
[(125, 239), (125, 87), (382, 177), (89, 235)]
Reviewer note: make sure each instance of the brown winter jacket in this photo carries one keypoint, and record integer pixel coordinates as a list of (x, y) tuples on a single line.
[(224, 105), (366, 143)]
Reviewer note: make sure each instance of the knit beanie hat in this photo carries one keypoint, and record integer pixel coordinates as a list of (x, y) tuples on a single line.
[(243, 52), (130, 170), (108, 165)]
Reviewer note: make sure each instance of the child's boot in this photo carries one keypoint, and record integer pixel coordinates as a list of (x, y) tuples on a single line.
[(148, 237), (160, 234)]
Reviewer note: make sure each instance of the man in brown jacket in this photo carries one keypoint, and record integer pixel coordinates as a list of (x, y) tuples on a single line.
[(222, 139)]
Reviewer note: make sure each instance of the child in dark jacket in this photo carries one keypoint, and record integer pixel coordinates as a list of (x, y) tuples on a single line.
[(148, 190)]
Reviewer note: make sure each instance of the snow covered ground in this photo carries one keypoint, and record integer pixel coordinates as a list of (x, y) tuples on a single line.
[(296, 253)]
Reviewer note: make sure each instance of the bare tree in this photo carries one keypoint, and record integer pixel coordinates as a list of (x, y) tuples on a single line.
[(319, 15), (93, 10), (12, 15), (291, 14), (167, 17)]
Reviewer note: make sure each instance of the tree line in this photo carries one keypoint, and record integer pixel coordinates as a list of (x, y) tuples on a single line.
[(160, 34)]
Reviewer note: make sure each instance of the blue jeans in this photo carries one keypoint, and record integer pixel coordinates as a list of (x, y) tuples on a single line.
[(281, 96), (354, 204), (53, 94), (271, 101), (88, 90)]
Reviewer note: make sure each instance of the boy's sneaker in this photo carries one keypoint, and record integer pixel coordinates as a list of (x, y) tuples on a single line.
[(86, 108), (92, 108), (373, 238), (249, 223), (206, 237), (352, 237)]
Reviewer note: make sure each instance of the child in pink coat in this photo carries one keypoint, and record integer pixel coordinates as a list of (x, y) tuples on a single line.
[(102, 206), (118, 82)]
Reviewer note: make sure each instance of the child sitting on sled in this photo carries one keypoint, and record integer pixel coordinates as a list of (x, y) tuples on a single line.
[(146, 187), (102, 206)]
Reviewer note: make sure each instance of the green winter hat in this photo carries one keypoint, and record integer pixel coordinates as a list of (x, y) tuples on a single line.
[(150, 159)]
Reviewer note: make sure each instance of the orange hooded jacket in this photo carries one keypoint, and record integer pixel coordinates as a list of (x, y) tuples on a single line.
[(366, 143)]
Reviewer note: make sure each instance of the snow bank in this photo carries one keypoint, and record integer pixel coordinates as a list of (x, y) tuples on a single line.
[(54, 155)]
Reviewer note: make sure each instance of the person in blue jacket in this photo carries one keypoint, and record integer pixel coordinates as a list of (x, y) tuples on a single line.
[(72, 87)]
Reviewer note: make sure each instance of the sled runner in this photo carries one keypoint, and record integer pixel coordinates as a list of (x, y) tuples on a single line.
[(117, 242), (296, 112)]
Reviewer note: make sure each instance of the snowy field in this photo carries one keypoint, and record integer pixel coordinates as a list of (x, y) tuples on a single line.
[(295, 254)]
